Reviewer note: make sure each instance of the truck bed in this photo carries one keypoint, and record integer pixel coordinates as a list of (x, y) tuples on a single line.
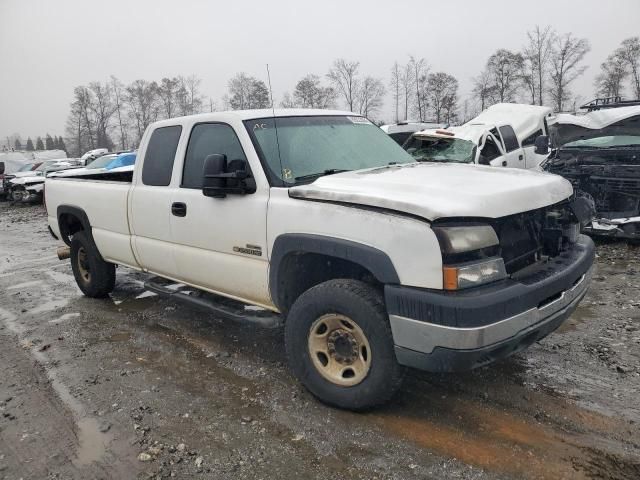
[(105, 202)]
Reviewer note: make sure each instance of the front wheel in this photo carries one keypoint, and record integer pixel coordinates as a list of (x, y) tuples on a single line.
[(95, 277), (339, 345)]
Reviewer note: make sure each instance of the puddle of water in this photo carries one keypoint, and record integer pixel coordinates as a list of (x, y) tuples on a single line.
[(24, 285), (92, 443), (48, 306), (65, 317)]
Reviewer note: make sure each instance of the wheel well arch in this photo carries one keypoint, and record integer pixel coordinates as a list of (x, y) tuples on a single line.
[(301, 261), (71, 220)]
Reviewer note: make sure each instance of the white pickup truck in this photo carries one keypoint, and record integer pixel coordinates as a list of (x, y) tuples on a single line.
[(372, 261)]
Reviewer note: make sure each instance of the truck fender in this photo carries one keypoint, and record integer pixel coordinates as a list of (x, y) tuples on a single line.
[(370, 258), (76, 212)]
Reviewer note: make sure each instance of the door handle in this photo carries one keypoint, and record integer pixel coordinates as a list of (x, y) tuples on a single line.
[(179, 209), (504, 163), (520, 157)]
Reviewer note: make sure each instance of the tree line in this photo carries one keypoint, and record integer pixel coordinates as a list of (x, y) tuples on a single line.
[(114, 115), (48, 143)]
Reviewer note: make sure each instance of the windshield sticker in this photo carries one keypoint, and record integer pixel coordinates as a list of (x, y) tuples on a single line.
[(359, 120)]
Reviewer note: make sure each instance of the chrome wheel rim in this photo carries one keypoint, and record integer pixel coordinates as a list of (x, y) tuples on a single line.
[(339, 349)]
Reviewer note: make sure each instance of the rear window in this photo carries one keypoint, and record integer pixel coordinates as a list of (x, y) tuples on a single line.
[(509, 138), (160, 154)]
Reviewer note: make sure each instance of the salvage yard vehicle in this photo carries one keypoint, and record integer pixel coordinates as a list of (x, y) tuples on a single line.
[(100, 165), (318, 220), (599, 152), (401, 131), (502, 135), (27, 187)]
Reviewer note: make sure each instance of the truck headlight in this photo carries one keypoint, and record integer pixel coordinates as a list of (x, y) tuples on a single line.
[(463, 239), (470, 256), (472, 274)]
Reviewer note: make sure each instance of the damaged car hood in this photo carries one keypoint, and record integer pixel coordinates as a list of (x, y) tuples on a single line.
[(433, 191), (566, 128)]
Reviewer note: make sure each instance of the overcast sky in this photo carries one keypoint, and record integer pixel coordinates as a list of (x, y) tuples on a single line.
[(49, 46)]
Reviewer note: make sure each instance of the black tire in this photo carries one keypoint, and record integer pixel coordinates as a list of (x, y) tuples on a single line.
[(95, 277), (364, 305)]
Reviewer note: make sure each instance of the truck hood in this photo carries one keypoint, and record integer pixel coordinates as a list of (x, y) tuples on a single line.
[(566, 128), (432, 190)]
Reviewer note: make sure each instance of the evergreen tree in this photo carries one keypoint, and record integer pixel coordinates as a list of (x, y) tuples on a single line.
[(18, 144), (39, 144), (48, 142), (29, 145), (61, 145)]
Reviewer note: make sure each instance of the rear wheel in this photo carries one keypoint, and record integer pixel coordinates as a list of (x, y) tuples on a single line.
[(339, 345), (95, 277)]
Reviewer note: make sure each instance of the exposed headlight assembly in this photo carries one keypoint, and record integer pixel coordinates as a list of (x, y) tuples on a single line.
[(469, 254), (465, 238)]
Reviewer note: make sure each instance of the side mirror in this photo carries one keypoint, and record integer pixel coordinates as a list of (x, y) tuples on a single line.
[(1, 168), (542, 145), (220, 177)]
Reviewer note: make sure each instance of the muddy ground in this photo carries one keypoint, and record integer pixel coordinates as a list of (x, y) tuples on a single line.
[(136, 386)]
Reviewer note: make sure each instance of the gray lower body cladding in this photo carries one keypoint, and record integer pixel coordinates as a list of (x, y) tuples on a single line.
[(456, 331)]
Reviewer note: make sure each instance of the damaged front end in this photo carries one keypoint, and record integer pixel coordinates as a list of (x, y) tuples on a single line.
[(602, 164)]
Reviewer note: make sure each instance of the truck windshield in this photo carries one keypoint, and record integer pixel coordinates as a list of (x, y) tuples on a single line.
[(438, 149), (310, 147)]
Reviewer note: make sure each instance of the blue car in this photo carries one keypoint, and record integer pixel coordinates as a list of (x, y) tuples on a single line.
[(122, 160)]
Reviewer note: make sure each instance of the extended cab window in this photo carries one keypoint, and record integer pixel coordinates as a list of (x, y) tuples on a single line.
[(158, 159), (207, 139), (531, 139), (509, 138)]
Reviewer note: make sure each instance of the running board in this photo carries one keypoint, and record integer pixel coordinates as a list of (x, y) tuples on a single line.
[(224, 307)]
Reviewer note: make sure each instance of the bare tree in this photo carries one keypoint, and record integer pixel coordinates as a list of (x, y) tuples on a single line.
[(483, 89), (188, 98), (443, 96), (247, 92), (395, 89), (288, 101), (168, 95), (613, 71), (370, 96), (567, 53), (309, 93), (142, 99), (103, 109), (420, 70), (407, 81), (537, 55), (343, 75), (630, 52), (118, 92), (505, 68)]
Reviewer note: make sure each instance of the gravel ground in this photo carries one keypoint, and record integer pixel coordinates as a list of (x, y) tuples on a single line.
[(135, 386)]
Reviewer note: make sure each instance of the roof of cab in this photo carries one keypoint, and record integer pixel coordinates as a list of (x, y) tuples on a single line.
[(252, 114)]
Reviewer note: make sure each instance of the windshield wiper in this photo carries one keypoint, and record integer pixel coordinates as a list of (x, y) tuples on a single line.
[(313, 176)]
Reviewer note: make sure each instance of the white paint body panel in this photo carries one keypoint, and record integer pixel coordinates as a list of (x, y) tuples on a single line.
[(440, 190)]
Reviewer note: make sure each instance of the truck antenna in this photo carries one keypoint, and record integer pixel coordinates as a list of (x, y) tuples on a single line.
[(275, 124)]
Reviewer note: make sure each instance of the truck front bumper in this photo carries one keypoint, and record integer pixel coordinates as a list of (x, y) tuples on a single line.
[(456, 331)]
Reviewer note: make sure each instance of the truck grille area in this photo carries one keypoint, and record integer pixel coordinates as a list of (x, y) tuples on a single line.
[(528, 237)]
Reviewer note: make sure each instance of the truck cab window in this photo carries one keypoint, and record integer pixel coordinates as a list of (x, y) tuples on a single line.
[(531, 139), (489, 151), (509, 138), (207, 139), (158, 159)]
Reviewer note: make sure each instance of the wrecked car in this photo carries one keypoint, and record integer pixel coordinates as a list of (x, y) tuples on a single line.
[(401, 131), (599, 153), (373, 262), (27, 186), (503, 135)]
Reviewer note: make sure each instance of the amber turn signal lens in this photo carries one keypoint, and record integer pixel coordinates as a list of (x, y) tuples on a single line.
[(450, 278)]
